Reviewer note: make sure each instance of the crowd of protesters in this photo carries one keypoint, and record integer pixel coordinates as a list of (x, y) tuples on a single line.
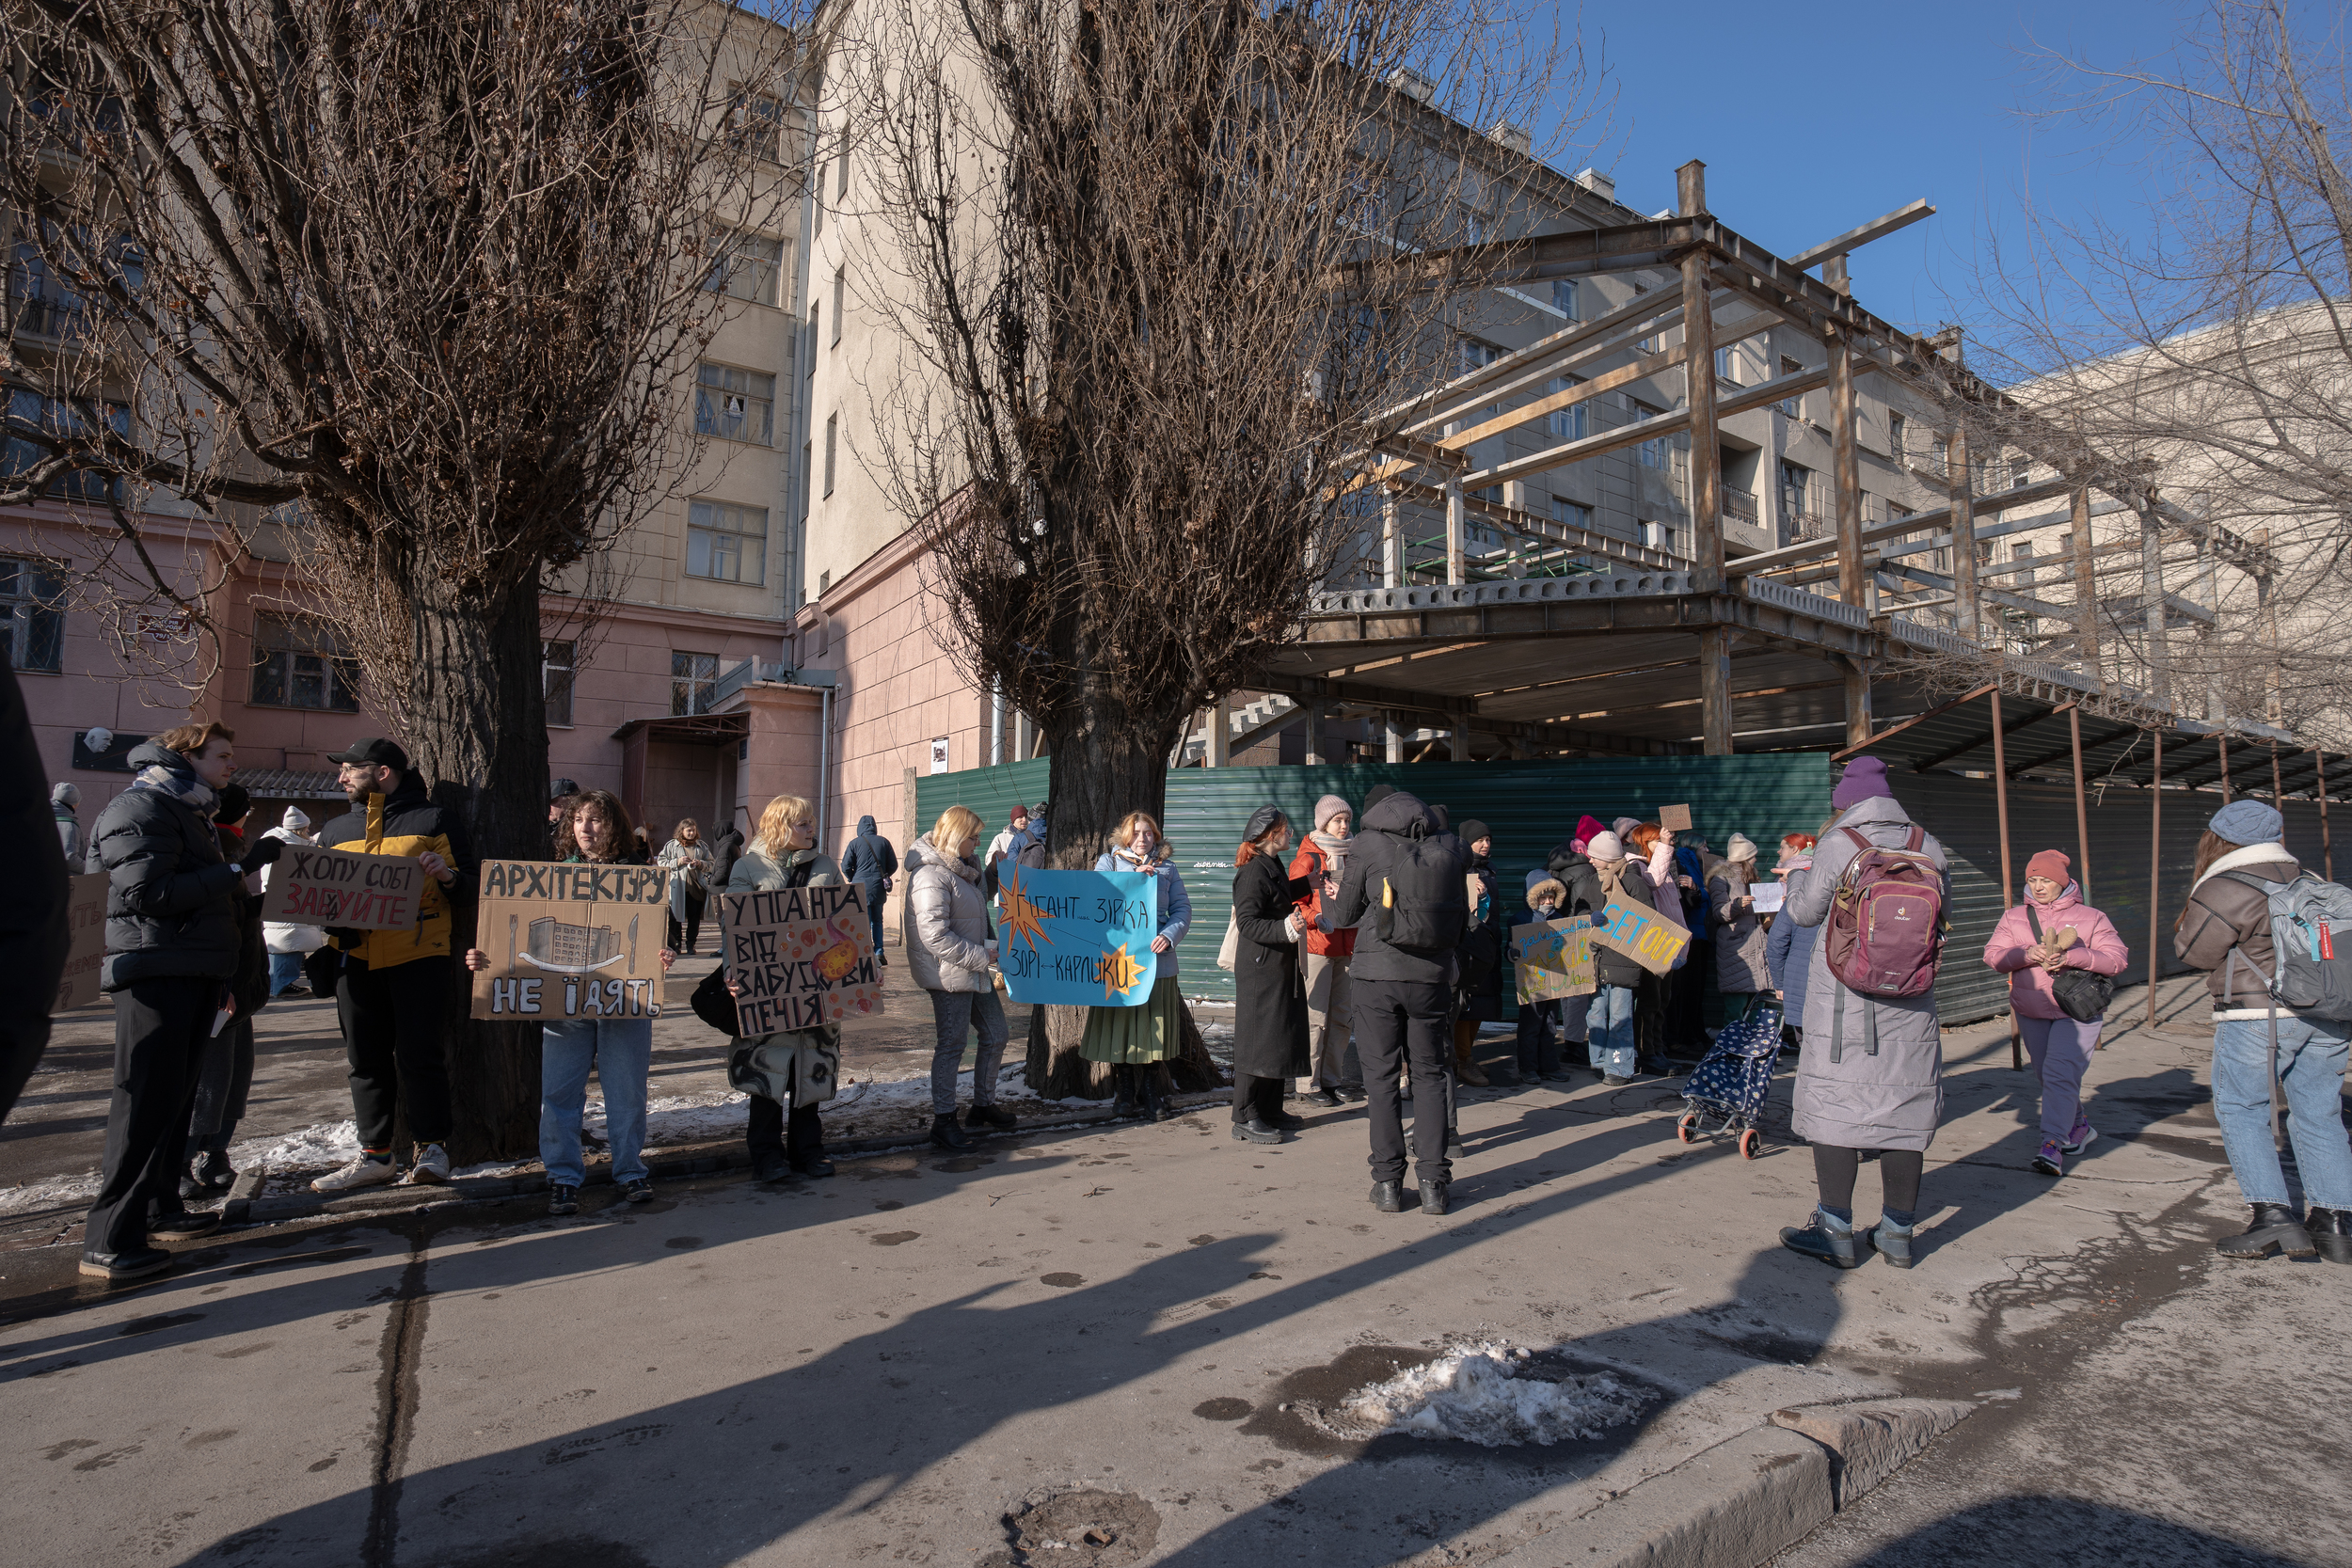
[(1367, 952)]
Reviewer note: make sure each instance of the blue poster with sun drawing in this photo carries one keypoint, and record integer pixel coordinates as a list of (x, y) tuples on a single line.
[(1077, 938)]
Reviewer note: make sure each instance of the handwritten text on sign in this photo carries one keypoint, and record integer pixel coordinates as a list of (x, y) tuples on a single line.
[(335, 887), (803, 957), (570, 941), (1555, 959), (1641, 935), (1078, 938), (86, 932)]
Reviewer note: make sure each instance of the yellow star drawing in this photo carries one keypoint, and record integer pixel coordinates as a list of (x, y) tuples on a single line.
[(1119, 973), (1022, 918)]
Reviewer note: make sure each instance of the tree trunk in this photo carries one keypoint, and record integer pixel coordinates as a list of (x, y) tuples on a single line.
[(1095, 782), (478, 734)]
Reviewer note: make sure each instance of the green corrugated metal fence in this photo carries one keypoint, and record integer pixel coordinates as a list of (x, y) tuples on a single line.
[(1531, 806)]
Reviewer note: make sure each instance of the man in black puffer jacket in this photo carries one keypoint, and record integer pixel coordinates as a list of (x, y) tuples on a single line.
[(172, 943), (1404, 996)]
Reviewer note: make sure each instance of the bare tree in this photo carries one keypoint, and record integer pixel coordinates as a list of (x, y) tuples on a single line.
[(1170, 270), (2210, 348), (427, 279)]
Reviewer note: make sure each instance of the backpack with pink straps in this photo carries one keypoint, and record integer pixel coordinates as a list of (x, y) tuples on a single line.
[(1884, 935)]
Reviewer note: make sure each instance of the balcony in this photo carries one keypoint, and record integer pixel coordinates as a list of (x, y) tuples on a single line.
[(55, 315), (1739, 506)]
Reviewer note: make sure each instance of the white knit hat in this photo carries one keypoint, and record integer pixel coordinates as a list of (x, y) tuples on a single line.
[(295, 819), (1605, 846), (1740, 848)]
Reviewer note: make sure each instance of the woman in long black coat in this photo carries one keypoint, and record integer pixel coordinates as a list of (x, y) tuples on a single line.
[(1269, 993)]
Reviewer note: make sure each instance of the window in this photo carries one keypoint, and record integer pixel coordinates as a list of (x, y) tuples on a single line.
[(840, 286), (556, 670), (759, 125), (1727, 368), (1652, 451), (1793, 406), (2020, 470), (813, 314), (832, 431), (2023, 552), (32, 625), (1648, 344), (746, 267), (1896, 430), (694, 679), (735, 404), (1477, 229), (1574, 422), (727, 542), (301, 663), (841, 176), (1796, 501), (30, 411), (1574, 513), (1564, 299), (1477, 355)]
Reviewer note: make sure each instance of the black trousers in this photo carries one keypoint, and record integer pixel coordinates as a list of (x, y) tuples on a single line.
[(391, 1020), (693, 931), (799, 1136), (1399, 1022), (160, 1033), (1257, 1097), (222, 1085)]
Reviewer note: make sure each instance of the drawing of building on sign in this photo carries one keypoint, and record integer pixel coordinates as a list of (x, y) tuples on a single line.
[(570, 949)]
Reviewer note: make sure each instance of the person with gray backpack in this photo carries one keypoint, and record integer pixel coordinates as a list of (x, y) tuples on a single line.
[(2276, 944)]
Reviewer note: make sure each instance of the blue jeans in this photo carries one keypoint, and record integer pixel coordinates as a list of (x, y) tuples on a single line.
[(285, 969), (1609, 1031), (621, 1050), (2311, 1076), (954, 1013)]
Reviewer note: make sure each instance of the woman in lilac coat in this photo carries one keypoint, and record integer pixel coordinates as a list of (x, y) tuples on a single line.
[(2073, 936)]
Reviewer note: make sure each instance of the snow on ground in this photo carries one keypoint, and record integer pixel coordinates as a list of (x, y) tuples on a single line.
[(1474, 1393)]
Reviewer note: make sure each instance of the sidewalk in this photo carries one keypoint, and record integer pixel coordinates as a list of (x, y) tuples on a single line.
[(889, 1365)]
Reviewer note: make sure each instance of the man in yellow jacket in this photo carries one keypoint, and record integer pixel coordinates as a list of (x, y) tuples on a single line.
[(392, 988)]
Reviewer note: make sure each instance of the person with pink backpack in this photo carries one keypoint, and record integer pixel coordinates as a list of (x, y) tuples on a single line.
[(1870, 1074)]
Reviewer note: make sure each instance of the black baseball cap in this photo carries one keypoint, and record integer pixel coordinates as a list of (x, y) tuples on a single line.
[(558, 789), (376, 750)]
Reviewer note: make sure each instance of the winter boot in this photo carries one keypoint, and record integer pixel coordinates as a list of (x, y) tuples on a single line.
[(1891, 1241), (1122, 1092), (1465, 1069), (2331, 1232), (1435, 1195), (946, 1134), (2274, 1229), (1389, 1196), (1154, 1103), (1828, 1238)]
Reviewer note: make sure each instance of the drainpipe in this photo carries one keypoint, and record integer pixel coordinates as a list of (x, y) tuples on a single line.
[(997, 726), (825, 764)]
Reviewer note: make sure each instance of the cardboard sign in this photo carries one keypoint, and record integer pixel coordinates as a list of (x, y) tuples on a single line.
[(804, 957), (86, 929), (310, 886), (568, 941), (1641, 935), (1675, 819), (1769, 897), (1555, 959), (1078, 938)]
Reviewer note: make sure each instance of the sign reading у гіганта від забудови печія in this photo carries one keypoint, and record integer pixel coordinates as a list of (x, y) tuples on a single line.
[(567, 941)]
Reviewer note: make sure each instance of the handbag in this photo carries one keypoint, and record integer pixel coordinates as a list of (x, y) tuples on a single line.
[(2081, 994), (713, 1003), (1229, 951)]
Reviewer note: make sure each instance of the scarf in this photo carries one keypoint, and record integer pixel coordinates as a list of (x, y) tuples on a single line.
[(1334, 851), (184, 787), (1143, 866), (1612, 875)]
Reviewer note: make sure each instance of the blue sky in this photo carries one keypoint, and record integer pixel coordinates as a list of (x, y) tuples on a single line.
[(1816, 118)]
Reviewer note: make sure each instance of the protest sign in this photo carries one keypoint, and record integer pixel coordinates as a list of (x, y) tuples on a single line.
[(85, 934), (1768, 896), (568, 941), (1675, 819), (1555, 959), (1078, 938), (803, 955), (310, 886), (1641, 935)]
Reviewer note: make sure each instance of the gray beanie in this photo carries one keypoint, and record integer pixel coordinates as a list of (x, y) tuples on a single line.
[(67, 794), (2249, 822)]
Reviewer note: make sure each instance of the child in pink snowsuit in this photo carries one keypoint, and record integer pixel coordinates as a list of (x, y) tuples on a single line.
[(2073, 936)]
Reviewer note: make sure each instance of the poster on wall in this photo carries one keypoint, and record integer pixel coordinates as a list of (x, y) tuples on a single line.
[(1077, 938), (86, 933), (1641, 935), (310, 886), (1555, 958), (803, 957), (568, 941)]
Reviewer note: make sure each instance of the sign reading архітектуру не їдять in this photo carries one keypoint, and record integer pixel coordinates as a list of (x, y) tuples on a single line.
[(570, 941)]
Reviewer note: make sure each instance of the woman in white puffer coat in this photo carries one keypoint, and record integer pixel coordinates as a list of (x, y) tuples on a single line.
[(950, 952)]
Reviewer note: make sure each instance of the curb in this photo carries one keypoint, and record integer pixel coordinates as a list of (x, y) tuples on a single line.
[(675, 1162), (1748, 1497)]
